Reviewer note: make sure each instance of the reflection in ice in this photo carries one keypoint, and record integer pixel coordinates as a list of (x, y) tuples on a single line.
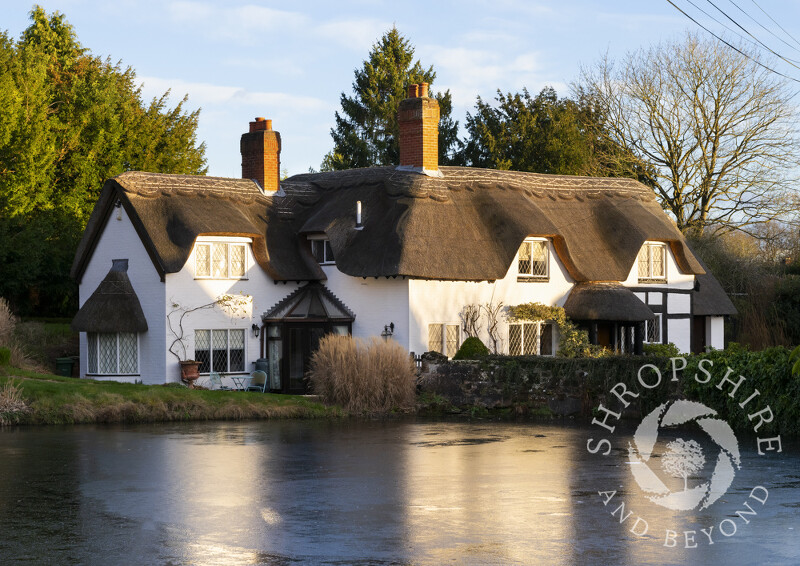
[(349, 492)]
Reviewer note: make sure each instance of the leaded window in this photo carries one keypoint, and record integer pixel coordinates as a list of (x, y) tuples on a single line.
[(219, 350), (533, 260), (530, 339), (653, 330), (651, 262), (113, 353), (444, 338), (220, 260)]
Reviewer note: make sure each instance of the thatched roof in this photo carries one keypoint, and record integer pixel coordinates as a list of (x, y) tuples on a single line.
[(469, 223), (466, 225), (605, 301), (709, 298), (170, 211), (113, 307)]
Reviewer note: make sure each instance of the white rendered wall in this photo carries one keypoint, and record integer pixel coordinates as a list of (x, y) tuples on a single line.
[(436, 302), (186, 290), (375, 302), (715, 332), (679, 332), (119, 240)]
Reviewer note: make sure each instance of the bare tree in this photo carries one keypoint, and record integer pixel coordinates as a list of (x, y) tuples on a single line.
[(470, 319), (682, 459), (493, 312), (712, 130)]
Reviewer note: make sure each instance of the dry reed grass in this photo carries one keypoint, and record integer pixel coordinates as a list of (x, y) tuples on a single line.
[(363, 376), (12, 406), (7, 323)]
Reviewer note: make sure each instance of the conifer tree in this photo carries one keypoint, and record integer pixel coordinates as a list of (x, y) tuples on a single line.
[(366, 132), (68, 121)]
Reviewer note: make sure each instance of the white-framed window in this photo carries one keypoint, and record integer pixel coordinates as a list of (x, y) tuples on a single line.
[(532, 260), (444, 338), (652, 330), (220, 350), (322, 251), (113, 353), (220, 260), (531, 338), (652, 262)]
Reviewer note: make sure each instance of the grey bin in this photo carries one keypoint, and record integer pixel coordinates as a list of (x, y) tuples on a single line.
[(262, 364)]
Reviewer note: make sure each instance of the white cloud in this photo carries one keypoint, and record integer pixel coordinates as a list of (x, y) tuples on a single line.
[(357, 35), (207, 94), (241, 24)]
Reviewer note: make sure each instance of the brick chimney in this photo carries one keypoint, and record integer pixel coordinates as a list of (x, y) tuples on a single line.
[(261, 155), (418, 118)]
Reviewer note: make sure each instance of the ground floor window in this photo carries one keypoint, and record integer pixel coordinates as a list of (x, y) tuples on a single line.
[(652, 329), (531, 339), (444, 338), (113, 353), (219, 350)]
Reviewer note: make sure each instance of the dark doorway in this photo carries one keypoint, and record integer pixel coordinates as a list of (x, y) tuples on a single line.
[(698, 334), (302, 341)]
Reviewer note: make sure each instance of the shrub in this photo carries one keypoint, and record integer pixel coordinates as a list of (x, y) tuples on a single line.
[(5, 356), (668, 350), (7, 323), (471, 348), (363, 376)]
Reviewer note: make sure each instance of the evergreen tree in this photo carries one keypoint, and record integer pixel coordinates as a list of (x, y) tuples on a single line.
[(366, 132), (544, 134), (541, 134), (68, 121)]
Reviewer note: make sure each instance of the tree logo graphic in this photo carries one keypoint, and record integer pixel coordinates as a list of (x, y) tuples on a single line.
[(683, 458)]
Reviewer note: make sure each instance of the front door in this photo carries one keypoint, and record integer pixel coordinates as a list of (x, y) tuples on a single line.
[(302, 340)]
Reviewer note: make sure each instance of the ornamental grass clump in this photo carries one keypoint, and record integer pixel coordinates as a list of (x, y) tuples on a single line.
[(12, 406), (363, 376)]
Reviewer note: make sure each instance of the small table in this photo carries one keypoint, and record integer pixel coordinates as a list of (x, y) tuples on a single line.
[(240, 382)]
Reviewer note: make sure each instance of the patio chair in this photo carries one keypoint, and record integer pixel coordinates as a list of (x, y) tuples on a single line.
[(258, 381), (215, 382)]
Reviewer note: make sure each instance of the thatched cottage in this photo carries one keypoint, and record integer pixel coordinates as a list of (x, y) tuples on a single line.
[(227, 271)]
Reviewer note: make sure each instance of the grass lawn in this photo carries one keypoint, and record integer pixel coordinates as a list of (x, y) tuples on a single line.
[(34, 398)]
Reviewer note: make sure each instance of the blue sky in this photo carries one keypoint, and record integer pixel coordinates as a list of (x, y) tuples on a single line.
[(290, 61)]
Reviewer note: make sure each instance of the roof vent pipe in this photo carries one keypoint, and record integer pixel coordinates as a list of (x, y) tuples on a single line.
[(359, 225)]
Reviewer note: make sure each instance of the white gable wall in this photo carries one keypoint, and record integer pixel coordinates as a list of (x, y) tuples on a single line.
[(184, 289), (119, 240), (375, 302), (437, 302)]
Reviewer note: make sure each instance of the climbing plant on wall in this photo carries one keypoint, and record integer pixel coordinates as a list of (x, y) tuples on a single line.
[(573, 342)]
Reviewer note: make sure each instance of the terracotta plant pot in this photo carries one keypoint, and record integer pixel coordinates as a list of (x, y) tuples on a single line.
[(190, 370)]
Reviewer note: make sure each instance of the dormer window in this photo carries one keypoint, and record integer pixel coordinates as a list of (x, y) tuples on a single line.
[(322, 251), (220, 260), (652, 262), (532, 260)]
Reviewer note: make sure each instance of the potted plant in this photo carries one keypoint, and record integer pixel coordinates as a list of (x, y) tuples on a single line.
[(190, 370)]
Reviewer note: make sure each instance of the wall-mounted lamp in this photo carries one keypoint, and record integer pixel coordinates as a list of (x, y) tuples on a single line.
[(118, 206), (388, 331), (256, 330)]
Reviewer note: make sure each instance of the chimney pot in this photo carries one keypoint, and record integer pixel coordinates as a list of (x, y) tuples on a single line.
[(423, 90), (413, 90), (261, 154)]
